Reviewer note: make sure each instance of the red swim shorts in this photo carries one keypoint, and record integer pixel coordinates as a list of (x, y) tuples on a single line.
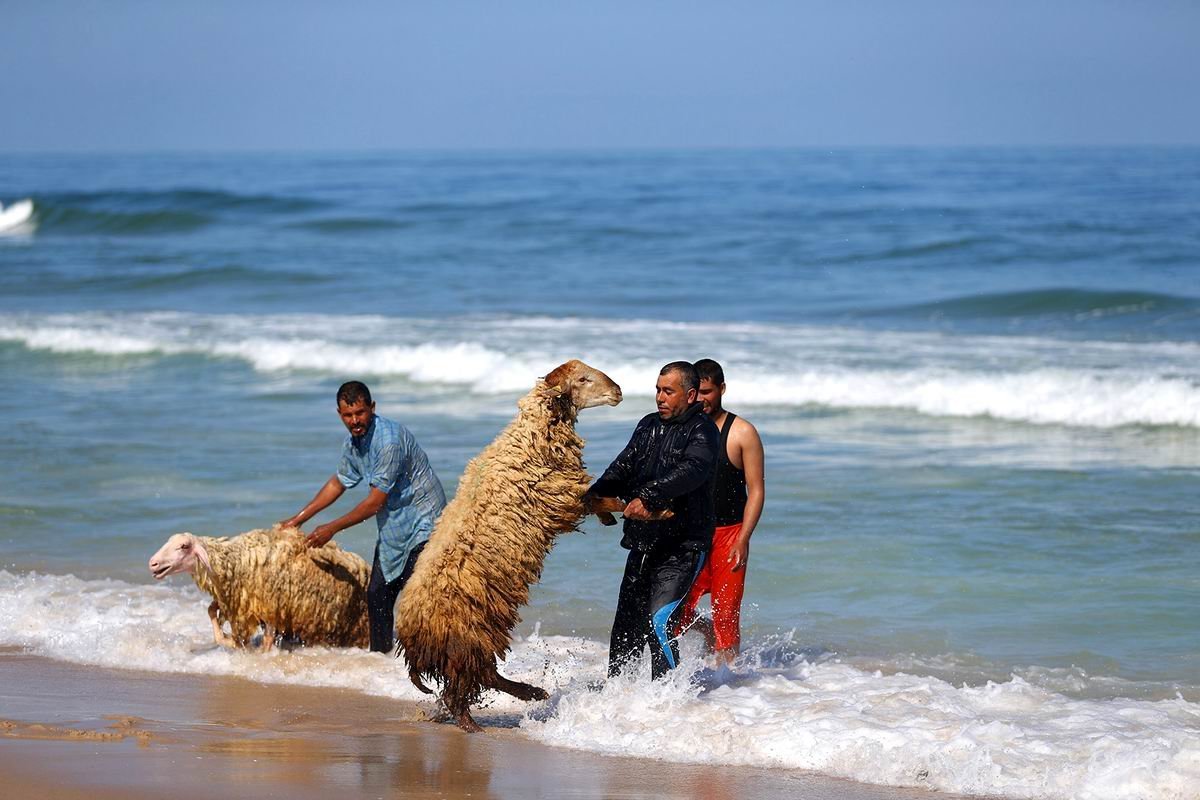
[(726, 586)]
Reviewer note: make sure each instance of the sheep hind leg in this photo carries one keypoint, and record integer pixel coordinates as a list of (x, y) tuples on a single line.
[(464, 721), (521, 691), (460, 712)]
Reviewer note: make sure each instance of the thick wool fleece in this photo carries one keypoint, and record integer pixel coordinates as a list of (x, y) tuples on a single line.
[(318, 595), (457, 612)]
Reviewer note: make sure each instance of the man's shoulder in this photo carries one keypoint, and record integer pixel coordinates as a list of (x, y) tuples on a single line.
[(703, 422), (743, 437), (648, 420), (743, 428), (387, 431), (700, 429)]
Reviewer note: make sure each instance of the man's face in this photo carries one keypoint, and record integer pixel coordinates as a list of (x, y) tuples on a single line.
[(710, 394), (356, 416), (670, 397)]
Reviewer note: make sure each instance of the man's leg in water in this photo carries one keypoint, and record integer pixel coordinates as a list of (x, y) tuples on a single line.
[(688, 615), (671, 577), (381, 600), (689, 619), (629, 630), (728, 588)]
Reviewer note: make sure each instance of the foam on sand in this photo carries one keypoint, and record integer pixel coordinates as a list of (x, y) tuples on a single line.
[(1007, 739)]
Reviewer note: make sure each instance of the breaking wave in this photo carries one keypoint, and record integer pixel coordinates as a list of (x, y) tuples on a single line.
[(1019, 379), (1077, 304), (142, 212)]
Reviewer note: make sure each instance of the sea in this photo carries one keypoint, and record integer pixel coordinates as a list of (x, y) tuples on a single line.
[(975, 372)]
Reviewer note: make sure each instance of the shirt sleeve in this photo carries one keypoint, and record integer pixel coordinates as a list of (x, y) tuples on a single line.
[(386, 469), (347, 470)]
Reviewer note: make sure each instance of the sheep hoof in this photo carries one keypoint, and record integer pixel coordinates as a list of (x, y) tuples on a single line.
[(536, 693), (468, 724)]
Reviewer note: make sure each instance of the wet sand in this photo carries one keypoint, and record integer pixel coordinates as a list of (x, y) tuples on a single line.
[(69, 731)]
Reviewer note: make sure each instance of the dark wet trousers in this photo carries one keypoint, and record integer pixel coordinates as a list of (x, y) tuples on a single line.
[(381, 601), (648, 608)]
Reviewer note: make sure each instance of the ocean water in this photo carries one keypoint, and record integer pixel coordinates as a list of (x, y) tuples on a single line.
[(976, 374)]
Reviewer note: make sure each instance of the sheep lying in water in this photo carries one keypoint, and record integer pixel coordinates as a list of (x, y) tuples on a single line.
[(271, 577), (458, 610)]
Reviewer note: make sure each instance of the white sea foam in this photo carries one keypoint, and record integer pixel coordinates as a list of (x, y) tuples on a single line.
[(1020, 379), (1006, 739), (164, 628), (1010, 738)]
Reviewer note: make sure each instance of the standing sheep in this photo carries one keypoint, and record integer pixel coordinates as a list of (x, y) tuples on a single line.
[(456, 614), (271, 577)]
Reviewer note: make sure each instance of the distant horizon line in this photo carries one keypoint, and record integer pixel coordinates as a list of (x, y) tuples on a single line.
[(552, 149)]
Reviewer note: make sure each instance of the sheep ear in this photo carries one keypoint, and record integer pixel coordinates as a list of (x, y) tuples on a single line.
[(202, 554), (558, 378)]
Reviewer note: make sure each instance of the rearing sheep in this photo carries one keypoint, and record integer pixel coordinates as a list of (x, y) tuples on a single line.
[(457, 613)]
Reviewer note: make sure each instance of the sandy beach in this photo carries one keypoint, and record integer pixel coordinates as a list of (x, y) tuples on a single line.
[(69, 731)]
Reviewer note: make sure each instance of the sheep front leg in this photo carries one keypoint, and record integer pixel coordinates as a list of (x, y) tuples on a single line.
[(219, 636), (268, 640)]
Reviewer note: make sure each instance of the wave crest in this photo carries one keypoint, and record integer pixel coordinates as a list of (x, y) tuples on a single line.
[(1074, 303), (137, 212), (1018, 379)]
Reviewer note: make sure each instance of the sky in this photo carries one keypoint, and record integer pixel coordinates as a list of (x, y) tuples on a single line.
[(132, 75)]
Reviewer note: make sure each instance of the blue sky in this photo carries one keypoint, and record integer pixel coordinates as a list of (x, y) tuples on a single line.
[(125, 75)]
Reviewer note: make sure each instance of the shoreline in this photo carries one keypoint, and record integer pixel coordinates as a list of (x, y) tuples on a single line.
[(70, 731)]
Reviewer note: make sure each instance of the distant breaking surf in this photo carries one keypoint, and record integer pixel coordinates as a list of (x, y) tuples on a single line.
[(1038, 380)]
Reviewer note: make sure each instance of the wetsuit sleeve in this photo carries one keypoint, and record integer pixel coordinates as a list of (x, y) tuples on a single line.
[(692, 471), (615, 480)]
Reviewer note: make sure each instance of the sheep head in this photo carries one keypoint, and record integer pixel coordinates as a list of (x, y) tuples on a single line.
[(584, 386), (179, 554)]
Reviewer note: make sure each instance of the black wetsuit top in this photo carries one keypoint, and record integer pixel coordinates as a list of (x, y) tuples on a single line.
[(668, 464), (729, 486)]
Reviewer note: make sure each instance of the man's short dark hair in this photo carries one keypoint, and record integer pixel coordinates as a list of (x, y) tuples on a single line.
[(352, 392), (687, 374), (711, 371)]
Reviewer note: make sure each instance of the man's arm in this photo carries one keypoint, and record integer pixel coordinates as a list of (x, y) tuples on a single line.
[(753, 466), (615, 480), (384, 472), (367, 508), (324, 498)]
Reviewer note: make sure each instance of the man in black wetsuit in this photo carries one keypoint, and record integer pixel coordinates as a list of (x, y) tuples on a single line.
[(668, 464)]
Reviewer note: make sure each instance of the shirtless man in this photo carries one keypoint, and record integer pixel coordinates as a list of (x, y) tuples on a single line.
[(738, 493)]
